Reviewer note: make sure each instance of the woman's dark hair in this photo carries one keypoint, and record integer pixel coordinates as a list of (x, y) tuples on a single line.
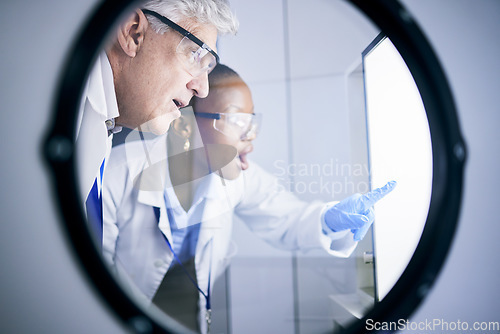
[(219, 73), (219, 78)]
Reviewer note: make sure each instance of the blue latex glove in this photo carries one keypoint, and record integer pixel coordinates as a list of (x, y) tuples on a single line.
[(355, 213)]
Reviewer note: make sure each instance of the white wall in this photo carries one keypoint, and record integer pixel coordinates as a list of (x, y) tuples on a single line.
[(43, 289)]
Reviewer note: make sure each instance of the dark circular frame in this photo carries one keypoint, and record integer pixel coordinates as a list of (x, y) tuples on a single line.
[(448, 147)]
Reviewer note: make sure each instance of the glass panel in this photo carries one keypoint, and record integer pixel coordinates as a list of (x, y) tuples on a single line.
[(272, 269), (314, 140)]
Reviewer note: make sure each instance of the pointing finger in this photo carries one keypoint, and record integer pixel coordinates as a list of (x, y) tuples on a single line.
[(372, 197)]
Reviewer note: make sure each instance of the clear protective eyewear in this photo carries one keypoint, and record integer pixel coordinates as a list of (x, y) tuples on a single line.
[(197, 57), (244, 126)]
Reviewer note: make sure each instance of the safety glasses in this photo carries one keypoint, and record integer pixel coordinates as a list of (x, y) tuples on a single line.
[(244, 126), (197, 57)]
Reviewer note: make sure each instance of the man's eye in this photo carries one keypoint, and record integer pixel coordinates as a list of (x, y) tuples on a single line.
[(196, 54), (205, 62)]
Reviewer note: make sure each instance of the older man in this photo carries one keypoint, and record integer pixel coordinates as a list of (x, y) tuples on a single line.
[(158, 58)]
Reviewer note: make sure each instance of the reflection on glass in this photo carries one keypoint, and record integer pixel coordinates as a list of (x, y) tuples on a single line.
[(315, 142), (400, 147), (148, 70), (169, 204), (193, 227)]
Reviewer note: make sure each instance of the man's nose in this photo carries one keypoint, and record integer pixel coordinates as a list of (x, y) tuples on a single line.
[(199, 85)]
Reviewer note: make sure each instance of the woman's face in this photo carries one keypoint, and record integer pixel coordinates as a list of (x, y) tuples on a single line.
[(233, 96)]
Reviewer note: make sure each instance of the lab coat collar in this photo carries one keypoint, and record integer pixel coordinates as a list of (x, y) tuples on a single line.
[(221, 198), (153, 180), (92, 138), (101, 89), (202, 191), (211, 187)]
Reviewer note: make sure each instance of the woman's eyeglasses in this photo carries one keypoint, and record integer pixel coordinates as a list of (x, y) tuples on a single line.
[(237, 125)]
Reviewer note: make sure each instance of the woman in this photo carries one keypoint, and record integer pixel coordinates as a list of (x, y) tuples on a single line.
[(167, 229)]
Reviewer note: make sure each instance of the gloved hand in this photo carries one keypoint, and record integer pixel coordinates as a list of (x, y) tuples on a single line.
[(355, 213)]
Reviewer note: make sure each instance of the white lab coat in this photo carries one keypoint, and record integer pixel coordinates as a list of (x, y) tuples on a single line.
[(133, 242), (98, 104)]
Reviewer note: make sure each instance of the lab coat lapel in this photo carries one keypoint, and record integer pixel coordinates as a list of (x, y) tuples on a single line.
[(152, 179), (220, 200), (215, 232)]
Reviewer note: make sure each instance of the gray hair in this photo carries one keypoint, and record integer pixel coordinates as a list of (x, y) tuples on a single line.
[(214, 12)]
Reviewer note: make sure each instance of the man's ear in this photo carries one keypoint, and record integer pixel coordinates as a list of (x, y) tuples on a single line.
[(131, 33)]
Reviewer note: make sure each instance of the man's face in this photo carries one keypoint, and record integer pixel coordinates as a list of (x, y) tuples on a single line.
[(155, 83)]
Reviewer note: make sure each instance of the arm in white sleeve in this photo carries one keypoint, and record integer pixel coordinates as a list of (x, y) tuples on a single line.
[(285, 221)]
